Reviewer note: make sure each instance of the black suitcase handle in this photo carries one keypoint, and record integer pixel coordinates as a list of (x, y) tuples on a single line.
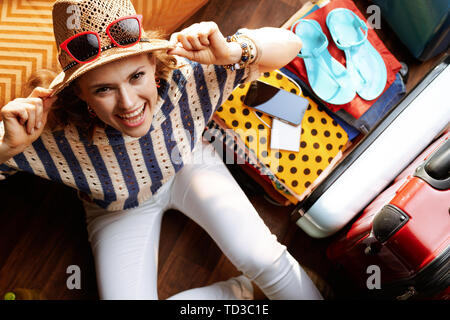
[(436, 170)]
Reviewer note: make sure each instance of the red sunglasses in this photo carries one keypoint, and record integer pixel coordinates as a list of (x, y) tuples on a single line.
[(85, 47)]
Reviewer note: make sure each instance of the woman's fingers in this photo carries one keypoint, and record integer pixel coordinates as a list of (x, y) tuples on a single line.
[(30, 112), (34, 108), (182, 38), (43, 101), (196, 37), (180, 51), (31, 123), (174, 38), (25, 118), (194, 41), (40, 92), (39, 115), (187, 38), (204, 39), (22, 115), (202, 42)]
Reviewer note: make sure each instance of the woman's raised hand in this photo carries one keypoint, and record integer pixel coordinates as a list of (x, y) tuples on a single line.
[(24, 119), (204, 43)]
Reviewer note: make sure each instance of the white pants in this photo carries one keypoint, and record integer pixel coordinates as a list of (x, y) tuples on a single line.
[(125, 243)]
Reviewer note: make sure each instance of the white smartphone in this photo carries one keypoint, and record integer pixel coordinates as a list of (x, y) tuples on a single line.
[(276, 102)]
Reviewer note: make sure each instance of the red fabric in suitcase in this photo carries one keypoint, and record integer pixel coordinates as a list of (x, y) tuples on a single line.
[(357, 107), (414, 246)]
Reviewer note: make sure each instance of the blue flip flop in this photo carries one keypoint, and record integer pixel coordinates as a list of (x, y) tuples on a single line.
[(364, 63), (329, 79)]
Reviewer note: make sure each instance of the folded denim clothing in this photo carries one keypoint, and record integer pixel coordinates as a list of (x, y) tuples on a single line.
[(371, 117), (379, 109)]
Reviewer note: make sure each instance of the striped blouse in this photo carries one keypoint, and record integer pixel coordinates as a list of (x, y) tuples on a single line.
[(120, 172)]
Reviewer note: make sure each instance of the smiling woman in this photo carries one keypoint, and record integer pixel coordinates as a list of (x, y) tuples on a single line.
[(70, 108), (123, 94), (126, 143)]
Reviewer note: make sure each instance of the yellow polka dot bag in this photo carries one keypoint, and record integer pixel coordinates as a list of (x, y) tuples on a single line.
[(292, 174)]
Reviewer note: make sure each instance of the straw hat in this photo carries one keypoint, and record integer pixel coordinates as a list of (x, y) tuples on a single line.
[(71, 17)]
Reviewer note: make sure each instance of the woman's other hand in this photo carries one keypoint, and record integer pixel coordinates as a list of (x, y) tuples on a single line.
[(24, 119), (204, 43)]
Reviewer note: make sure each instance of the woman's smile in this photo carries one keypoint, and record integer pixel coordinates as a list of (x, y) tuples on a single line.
[(123, 93), (134, 118)]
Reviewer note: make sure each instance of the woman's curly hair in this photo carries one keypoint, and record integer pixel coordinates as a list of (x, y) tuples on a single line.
[(68, 108)]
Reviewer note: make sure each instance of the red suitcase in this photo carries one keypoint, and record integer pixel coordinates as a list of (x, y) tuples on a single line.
[(399, 246)]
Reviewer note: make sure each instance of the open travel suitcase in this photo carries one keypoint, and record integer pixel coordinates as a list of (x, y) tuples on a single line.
[(298, 172), (354, 176), (379, 157), (404, 233)]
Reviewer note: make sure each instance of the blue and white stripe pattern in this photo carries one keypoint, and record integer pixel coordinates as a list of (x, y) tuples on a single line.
[(120, 172)]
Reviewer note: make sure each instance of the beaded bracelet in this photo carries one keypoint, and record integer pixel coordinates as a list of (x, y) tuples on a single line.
[(249, 51)]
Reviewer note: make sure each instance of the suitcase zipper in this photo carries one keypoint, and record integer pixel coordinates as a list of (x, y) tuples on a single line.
[(434, 278), (410, 292)]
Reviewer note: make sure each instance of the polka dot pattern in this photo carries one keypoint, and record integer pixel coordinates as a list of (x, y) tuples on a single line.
[(321, 139)]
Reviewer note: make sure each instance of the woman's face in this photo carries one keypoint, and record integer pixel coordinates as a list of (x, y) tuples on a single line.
[(122, 93)]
